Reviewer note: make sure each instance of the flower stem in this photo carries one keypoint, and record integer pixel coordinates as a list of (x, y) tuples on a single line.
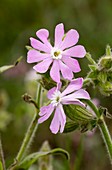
[(28, 138), (107, 138), (31, 130), (79, 154), (38, 95), (103, 128), (2, 156)]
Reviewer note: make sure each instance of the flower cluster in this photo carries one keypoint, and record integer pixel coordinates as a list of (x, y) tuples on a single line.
[(60, 61)]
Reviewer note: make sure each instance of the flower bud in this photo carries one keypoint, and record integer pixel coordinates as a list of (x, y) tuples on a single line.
[(100, 74), (45, 163), (46, 82), (105, 63)]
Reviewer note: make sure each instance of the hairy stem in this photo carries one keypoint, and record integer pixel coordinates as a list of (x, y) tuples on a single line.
[(103, 128), (28, 138), (31, 130), (2, 156), (107, 138)]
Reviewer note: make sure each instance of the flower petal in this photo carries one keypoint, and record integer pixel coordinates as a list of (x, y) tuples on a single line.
[(55, 72), (51, 92), (43, 35), (58, 121), (70, 39), (75, 84), (55, 124), (68, 101), (43, 66), (39, 46), (72, 63), (59, 33), (62, 118), (66, 71), (45, 112), (80, 94), (76, 51), (36, 56)]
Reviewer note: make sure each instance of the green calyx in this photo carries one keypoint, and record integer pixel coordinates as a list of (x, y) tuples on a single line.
[(79, 119)]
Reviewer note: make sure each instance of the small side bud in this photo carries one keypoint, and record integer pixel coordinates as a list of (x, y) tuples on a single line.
[(105, 62), (27, 98)]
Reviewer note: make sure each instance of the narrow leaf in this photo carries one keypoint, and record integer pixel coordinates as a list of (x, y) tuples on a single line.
[(32, 158), (4, 68)]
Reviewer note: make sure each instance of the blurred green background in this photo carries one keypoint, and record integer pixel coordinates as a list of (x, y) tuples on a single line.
[(19, 20)]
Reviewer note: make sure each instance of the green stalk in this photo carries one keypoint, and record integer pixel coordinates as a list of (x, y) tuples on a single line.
[(31, 130), (103, 129), (2, 156), (28, 138), (107, 138), (79, 155)]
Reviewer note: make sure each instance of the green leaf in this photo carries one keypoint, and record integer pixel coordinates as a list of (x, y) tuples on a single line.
[(32, 158), (4, 68), (1, 167), (90, 59), (70, 126)]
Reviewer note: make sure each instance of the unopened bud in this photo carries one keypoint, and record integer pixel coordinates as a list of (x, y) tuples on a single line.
[(45, 163), (27, 98), (105, 63)]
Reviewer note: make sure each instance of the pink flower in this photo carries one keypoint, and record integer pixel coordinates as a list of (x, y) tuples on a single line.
[(70, 95), (59, 56)]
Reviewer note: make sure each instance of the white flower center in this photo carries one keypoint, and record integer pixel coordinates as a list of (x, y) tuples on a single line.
[(56, 98), (56, 53)]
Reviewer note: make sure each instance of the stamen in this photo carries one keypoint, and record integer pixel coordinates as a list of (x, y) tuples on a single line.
[(56, 53), (56, 99)]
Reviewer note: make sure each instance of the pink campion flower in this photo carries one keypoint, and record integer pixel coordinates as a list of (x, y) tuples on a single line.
[(70, 95), (57, 56)]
